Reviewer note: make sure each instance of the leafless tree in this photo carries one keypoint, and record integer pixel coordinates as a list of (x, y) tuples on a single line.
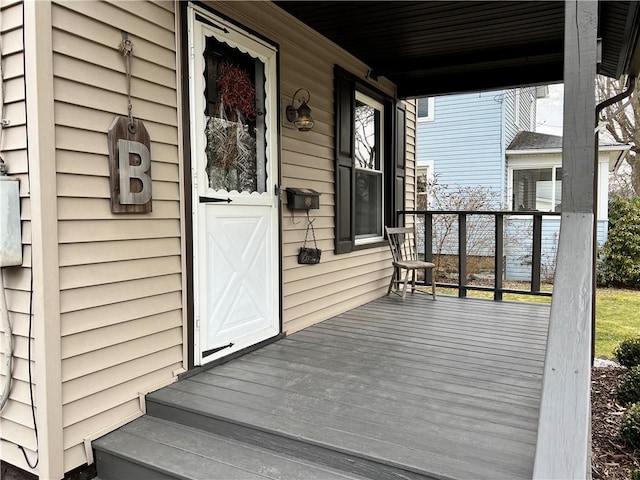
[(365, 137), (622, 120), (480, 228), (620, 182)]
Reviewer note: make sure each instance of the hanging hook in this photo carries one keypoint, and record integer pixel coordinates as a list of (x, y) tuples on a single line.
[(309, 221)]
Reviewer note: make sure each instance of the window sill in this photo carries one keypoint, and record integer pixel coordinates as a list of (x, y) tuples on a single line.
[(374, 244)]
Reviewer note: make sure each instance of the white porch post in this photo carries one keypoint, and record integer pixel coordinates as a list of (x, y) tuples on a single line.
[(563, 444)]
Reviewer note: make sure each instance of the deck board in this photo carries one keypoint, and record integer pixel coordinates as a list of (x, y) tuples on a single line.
[(449, 388)]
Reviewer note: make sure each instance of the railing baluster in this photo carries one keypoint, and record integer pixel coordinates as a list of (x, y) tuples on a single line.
[(499, 244), (428, 246), (462, 254), (536, 254), (499, 257)]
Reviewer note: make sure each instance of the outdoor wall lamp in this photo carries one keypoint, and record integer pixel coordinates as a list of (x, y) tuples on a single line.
[(301, 117)]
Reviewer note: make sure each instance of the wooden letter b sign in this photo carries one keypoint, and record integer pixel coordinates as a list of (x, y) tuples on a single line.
[(130, 166)]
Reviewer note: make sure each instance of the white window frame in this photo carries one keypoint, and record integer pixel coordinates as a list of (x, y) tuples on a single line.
[(425, 168), (554, 166), (552, 159), (430, 117), (367, 100)]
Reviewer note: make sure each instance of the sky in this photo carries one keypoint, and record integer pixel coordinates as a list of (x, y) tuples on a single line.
[(549, 111)]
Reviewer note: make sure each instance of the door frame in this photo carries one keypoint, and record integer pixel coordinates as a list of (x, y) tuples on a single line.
[(189, 241)]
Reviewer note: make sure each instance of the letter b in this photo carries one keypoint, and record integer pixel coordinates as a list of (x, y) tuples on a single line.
[(128, 171)]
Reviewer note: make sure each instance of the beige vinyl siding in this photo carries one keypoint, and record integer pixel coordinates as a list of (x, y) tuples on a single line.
[(16, 423), (120, 275), (313, 293)]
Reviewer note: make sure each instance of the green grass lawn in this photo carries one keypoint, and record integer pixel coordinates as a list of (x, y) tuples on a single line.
[(515, 297), (617, 314), (617, 317)]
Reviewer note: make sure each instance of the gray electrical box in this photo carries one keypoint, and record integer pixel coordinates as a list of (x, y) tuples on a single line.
[(10, 233)]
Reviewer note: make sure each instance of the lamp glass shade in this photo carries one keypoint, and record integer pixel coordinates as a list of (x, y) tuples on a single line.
[(305, 121)]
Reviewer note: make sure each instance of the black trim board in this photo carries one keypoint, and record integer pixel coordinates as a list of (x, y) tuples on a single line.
[(188, 204)]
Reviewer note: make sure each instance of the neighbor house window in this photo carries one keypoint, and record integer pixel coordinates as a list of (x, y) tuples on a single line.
[(426, 109), (537, 189), (424, 174), (369, 125)]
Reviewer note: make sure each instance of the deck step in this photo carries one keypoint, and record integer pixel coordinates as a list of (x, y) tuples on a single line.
[(154, 448), (164, 404)]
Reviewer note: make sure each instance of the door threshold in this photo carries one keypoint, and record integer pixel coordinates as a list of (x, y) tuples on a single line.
[(239, 353)]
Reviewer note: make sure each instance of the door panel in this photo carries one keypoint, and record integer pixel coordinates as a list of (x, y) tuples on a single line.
[(233, 103), (239, 277)]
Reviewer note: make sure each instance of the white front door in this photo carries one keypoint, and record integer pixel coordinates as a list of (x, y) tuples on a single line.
[(233, 111)]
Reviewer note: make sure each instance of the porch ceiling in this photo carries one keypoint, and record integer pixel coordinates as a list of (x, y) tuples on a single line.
[(436, 47)]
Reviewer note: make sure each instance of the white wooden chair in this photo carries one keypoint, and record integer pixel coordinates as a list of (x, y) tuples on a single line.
[(402, 241)]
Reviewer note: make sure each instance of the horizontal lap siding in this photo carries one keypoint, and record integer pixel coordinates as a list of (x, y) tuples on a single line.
[(16, 423), (313, 293), (120, 275), (518, 248), (466, 142)]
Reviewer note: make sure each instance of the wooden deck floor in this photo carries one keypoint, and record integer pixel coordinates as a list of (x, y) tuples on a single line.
[(447, 389)]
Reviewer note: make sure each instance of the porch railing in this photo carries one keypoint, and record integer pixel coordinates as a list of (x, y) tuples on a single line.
[(426, 218)]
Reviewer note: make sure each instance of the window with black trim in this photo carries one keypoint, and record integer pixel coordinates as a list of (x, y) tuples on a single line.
[(370, 162)]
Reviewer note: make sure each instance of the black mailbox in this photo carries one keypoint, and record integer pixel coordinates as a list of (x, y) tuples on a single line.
[(302, 198)]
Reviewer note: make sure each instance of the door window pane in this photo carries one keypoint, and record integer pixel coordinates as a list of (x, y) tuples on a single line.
[(235, 119)]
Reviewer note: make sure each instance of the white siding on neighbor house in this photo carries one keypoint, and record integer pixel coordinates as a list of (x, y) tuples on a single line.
[(120, 274), (313, 293), (16, 423)]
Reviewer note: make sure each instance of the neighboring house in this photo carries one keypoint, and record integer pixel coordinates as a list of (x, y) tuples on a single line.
[(463, 138), (135, 272), (534, 162), (483, 140)]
